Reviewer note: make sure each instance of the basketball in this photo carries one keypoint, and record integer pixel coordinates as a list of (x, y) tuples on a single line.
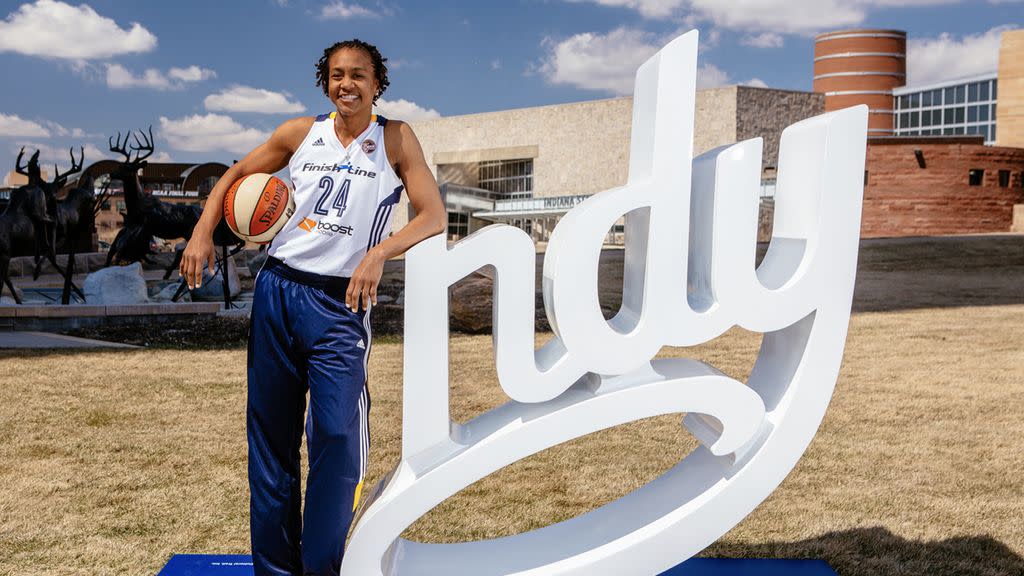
[(257, 206)]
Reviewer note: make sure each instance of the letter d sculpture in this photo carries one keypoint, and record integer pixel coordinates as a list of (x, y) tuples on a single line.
[(689, 276)]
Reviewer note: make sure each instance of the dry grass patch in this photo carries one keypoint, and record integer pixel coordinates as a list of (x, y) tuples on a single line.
[(112, 461)]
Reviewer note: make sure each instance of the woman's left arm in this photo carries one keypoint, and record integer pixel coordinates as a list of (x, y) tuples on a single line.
[(431, 218)]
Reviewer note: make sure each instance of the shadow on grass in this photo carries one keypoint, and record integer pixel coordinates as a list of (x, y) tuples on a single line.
[(878, 552)]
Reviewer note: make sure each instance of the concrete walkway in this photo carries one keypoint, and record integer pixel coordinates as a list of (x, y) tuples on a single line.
[(43, 340)]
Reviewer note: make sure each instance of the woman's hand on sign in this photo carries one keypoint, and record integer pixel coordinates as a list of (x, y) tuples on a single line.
[(362, 287)]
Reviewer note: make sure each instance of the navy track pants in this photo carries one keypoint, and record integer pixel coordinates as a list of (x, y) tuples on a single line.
[(303, 338)]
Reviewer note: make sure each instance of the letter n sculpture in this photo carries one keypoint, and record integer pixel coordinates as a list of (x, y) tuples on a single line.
[(689, 276)]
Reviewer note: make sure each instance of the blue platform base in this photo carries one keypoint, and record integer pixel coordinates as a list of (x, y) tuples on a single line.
[(208, 565), (241, 565), (751, 567)]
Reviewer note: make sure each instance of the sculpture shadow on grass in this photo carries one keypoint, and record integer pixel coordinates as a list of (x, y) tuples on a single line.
[(877, 551)]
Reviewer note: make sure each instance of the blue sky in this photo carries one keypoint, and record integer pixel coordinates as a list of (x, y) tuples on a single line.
[(215, 77)]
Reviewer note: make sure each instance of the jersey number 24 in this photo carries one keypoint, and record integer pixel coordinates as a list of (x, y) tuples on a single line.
[(340, 201)]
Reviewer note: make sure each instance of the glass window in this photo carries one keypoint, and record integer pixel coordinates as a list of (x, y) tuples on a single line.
[(458, 225), (983, 91), (926, 99), (914, 119), (972, 92), (915, 101), (995, 86), (950, 95), (950, 115), (958, 118), (926, 118), (993, 112), (973, 129), (992, 133), (983, 113), (904, 102), (958, 130), (904, 119), (975, 176), (947, 131), (972, 113), (959, 98), (937, 97), (936, 117), (984, 132), (507, 178)]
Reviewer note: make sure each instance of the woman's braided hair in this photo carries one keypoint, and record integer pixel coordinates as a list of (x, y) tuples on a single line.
[(380, 69)]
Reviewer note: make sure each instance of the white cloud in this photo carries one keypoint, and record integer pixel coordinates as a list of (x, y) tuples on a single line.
[(756, 83), (763, 40), (402, 109), (346, 10), (947, 57), (773, 16), (61, 131), (711, 76), (248, 99), (119, 77), (52, 29), (780, 16), (608, 63), (495, 64), (161, 156), (191, 74), (593, 61), (13, 125), (209, 133), (647, 8)]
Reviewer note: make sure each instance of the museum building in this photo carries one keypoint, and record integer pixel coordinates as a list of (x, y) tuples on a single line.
[(961, 173)]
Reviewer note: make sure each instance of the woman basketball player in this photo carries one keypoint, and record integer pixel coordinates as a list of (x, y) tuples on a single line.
[(310, 314)]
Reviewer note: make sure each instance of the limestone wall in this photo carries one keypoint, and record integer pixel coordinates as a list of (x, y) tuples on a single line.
[(766, 113), (1010, 113), (577, 148)]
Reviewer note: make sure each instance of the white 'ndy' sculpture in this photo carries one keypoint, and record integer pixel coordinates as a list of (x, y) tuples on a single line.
[(686, 281)]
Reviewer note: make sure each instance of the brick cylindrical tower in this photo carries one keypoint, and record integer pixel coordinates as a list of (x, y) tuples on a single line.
[(861, 67)]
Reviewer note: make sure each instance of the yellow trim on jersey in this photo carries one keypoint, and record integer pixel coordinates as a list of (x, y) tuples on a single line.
[(373, 118)]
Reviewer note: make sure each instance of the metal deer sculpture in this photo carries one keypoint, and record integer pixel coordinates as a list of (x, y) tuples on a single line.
[(74, 218), (22, 229), (146, 216), (54, 230), (75, 222)]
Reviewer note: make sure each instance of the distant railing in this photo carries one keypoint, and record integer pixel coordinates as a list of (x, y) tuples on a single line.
[(538, 204)]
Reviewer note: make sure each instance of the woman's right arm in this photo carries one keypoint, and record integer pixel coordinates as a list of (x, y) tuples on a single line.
[(268, 157)]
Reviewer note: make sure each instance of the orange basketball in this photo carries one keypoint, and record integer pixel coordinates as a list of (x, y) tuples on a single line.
[(257, 206)]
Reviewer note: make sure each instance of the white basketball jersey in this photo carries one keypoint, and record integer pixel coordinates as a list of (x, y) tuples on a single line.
[(343, 199)]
